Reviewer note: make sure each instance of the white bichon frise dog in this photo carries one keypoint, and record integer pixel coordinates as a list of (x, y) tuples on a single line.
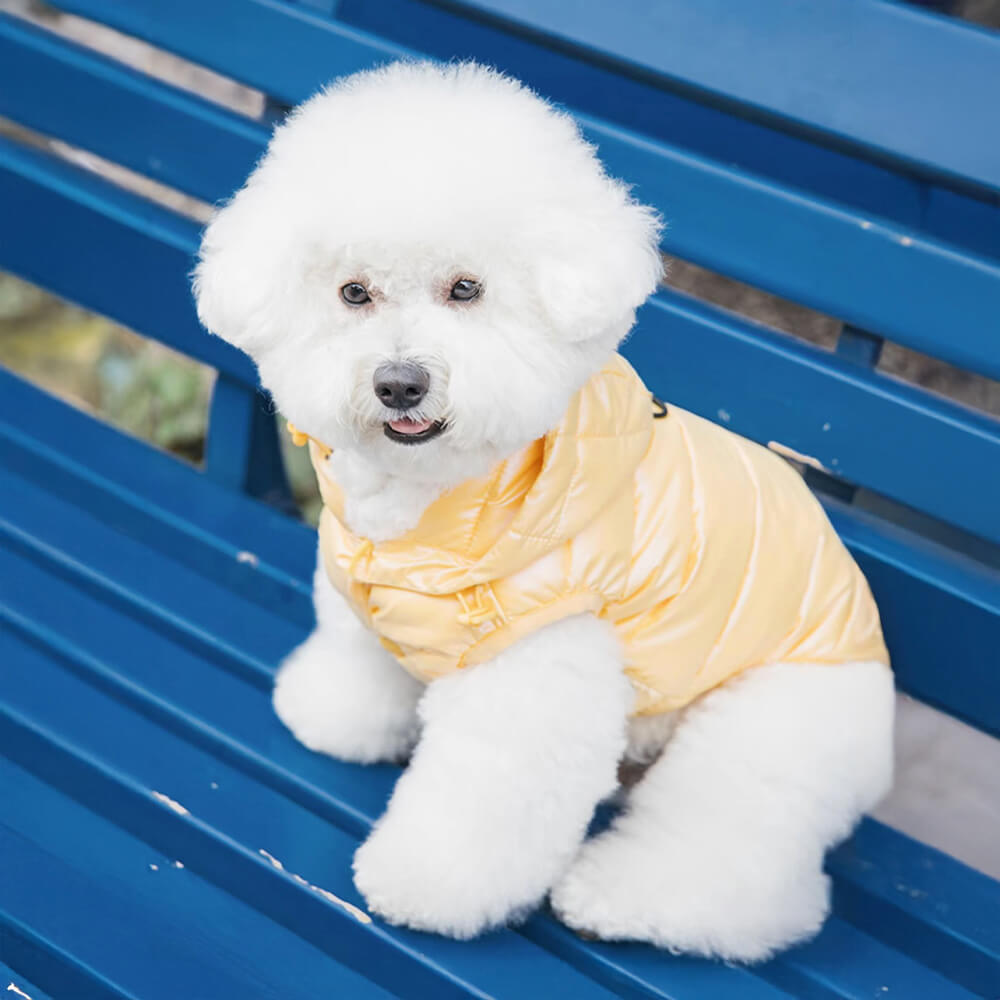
[(529, 570)]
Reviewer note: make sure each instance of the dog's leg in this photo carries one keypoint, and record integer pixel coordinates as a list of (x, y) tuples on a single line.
[(515, 754), (719, 851), (341, 693)]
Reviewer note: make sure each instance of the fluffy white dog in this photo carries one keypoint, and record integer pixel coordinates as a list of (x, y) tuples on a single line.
[(433, 272)]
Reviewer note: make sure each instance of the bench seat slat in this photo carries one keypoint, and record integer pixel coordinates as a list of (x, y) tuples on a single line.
[(876, 274), (157, 934), (114, 767), (893, 886), (249, 814), (232, 719), (166, 765)]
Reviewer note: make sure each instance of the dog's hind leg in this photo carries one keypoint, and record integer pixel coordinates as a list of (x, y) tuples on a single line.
[(719, 850), (341, 693)]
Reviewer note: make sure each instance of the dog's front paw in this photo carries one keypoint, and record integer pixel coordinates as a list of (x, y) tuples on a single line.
[(443, 882), (343, 712), (627, 888)]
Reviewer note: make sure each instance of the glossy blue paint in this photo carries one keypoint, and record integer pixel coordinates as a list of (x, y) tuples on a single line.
[(867, 60), (52, 85), (877, 274), (861, 426), (118, 254), (144, 604)]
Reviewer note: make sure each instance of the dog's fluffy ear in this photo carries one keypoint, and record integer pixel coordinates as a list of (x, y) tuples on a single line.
[(596, 270), (241, 266)]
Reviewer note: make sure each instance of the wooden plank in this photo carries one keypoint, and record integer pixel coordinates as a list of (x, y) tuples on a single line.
[(850, 74), (861, 426), (106, 249), (114, 762), (640, 104), (112, 257), (902, 890), (21, 986), (53, 85), (271, 45), (154, 933), (876, 274), (148, 494), (216, 709), (853, 966)]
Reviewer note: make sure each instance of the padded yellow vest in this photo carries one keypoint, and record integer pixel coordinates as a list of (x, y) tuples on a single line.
[(706, 552)]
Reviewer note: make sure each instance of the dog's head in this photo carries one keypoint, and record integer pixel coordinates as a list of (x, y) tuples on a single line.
[(428, 262)]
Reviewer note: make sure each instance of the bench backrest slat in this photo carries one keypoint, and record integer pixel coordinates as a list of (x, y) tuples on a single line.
[(115, 253), (891, 279), (853, 73)]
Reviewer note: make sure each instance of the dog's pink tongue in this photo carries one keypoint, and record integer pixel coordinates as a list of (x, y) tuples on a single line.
[(407, 426)]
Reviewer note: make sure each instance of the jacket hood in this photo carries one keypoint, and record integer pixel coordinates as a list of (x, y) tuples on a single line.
[(529, 504)]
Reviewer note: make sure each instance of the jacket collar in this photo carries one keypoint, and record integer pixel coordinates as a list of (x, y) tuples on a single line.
[(529, 504)]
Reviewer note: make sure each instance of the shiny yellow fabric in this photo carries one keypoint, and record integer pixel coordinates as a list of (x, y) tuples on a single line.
[(705, 551)]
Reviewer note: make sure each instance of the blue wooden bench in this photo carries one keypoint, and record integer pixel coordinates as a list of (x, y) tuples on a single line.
[(160, 834)]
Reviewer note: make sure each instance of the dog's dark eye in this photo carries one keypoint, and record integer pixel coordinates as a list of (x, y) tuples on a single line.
[(465, 289), (355, 294)]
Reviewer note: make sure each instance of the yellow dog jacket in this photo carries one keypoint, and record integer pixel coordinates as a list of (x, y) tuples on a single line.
[(706, 552)]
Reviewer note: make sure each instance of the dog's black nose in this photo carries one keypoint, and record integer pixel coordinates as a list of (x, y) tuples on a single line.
[(401, 385)]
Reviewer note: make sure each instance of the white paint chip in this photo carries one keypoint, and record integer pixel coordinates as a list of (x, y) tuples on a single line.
[(247, 557), (796, 456), (350, 908), (11, 988), (178, 864), (866, 224), (214, 786), (724, 416), (170, 803), (905, 241), (826, 426), (154, 868)]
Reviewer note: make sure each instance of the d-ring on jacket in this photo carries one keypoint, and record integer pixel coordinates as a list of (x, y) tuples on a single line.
[(706, 552)]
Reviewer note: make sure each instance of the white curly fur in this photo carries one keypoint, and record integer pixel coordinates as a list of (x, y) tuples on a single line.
[(406, 179)]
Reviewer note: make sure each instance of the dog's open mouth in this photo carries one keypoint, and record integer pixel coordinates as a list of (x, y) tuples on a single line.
[(407, 431)]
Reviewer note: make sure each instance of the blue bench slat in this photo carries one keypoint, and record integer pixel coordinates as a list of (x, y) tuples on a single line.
[(53, 85), (245, 812), (213, 709), (190, 784), (598, 90), (886, 278), (862, 426), (907, 433), (201, 610), (22, 986), (900, 889), (940, 613), (851, 73), (125, 482), (875, 274), (154, 934), (112, 251), (197, 693), (271, 45), (843, 962), (125, 759)]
